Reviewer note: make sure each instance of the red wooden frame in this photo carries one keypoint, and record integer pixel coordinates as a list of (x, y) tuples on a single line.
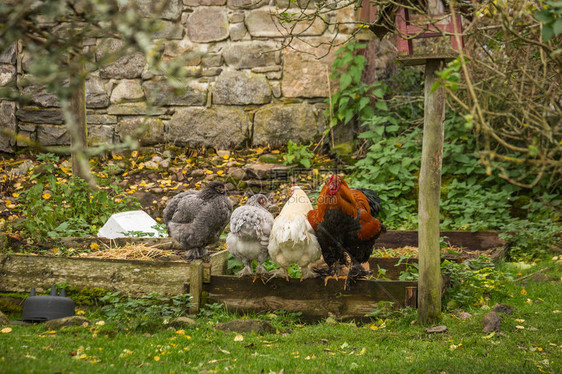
[(407, 32)]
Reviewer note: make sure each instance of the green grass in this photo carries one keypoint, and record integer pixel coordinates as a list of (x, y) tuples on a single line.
[(398, 346)]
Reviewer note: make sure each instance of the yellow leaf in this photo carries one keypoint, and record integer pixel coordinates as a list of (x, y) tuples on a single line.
[(80, 312), (15, 194), (519, 320), (181, 332), (523, 291), (156, 358), (94, 246), (116, 157), (100, 323), (238, 338), (134, 154), (275, 152), (226, 157), (490, 335), (520, 327), (10, 206), (6, 330), (220, 172), (209, 172), (46, 196)]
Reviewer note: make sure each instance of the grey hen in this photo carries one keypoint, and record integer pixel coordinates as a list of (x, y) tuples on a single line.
[(250, 226), (197, 218)]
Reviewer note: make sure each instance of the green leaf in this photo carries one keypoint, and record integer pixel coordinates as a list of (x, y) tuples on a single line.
[(348, 116), (547, 33), (363, 102), (394, 169), (381, 105), (378, 92), (345, 81), (435, 86), (544, 16), (557, 27)]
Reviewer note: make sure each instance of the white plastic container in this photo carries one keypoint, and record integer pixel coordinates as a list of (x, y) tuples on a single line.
[(135, 223)]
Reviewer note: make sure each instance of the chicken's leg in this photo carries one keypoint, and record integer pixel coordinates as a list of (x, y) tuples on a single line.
[(280, 273), (247, 269), (194, 254), (260, 272), (355, 271), (306, 273)]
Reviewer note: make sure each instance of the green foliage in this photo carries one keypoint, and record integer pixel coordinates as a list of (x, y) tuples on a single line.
[(55, 207), (298, 154), (146, 312), (214, 311), (472, 283), (528, 240), (551, 19), (354, 98)]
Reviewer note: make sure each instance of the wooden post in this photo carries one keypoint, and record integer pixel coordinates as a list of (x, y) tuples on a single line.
[(195, 284), (429, 283)]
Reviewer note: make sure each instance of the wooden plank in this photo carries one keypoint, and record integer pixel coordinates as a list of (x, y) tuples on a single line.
[(479, 240), (310, 297), (414, 60), (219, 262), (195, 284), (132, 277)]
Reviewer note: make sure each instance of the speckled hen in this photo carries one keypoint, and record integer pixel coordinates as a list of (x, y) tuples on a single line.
[(250, 226)]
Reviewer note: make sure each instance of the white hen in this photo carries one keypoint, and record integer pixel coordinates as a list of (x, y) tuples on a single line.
[(292, 239)]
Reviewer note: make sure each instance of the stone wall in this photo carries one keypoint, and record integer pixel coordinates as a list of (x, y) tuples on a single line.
[(245, 88)]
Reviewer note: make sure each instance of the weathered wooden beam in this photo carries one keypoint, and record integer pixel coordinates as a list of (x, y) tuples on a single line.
[(195, 284), (477, 241), (429, 283), (18, 273), (311, 297)]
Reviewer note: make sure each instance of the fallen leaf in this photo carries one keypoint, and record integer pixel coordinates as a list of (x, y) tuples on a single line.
[(238, 338), (489, 335), (523, 291), (520, 327), (519, 320), (156, 358), (94, 246), (6, 330), (46, 196), (452, 347), (100, 323)]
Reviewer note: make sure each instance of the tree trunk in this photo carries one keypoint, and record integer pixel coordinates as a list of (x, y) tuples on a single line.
[(429, 283)]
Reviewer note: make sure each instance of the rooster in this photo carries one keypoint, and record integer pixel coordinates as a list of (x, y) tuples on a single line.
[(345, 225), (250, 226), (197, 218), (292, 239)]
